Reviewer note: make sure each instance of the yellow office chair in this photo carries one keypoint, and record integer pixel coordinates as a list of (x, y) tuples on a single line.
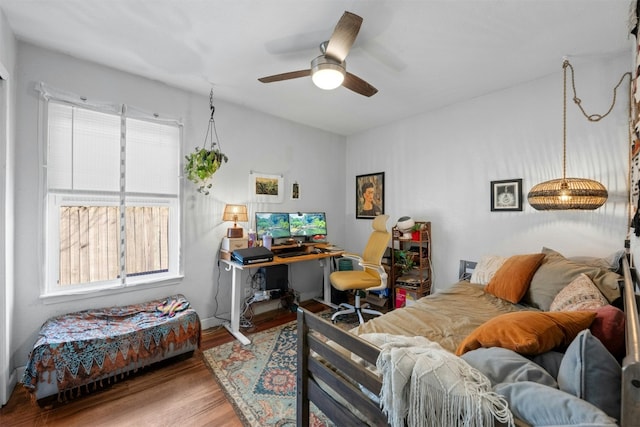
[(372, 277)]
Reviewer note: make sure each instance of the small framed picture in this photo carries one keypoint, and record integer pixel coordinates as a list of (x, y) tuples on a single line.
[(295, 191), (506, 195), (369, 195)]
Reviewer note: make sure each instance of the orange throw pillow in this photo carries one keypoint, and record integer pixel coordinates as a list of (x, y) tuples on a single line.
[(528, 332), (512, 280)]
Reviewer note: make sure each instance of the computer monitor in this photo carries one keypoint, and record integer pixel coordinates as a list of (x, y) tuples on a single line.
[(311, 225), (274, 223)]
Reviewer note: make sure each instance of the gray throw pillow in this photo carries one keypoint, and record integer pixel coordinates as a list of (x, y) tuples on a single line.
[(549, 361), (502, 365), (556, 272), (539, 405), (590, 372)]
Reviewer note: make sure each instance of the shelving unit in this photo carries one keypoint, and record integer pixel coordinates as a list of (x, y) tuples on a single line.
[(415, 282)]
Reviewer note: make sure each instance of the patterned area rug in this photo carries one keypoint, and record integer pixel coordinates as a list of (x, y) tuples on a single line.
[(260, 378)]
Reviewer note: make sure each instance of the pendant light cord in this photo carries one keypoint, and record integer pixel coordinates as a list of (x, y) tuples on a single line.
[(565, 64), (578, 101)]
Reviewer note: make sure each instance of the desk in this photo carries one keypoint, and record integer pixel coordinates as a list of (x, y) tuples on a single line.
[(233, 326)]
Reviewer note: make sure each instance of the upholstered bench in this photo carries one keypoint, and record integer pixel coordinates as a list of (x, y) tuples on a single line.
[(86, 347)]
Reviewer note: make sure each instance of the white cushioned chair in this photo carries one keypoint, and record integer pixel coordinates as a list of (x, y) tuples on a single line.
[(371, 276)]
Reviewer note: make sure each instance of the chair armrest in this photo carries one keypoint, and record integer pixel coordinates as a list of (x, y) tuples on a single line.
[(354, 257), (378, 267), (381, 272)]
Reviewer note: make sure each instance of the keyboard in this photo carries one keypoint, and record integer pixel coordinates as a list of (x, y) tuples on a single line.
[(291, 254)]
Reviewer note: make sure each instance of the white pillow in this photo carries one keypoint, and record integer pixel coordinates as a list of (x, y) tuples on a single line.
[(486, 268)]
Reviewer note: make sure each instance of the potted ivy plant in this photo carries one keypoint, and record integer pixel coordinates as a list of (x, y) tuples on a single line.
[(201, 164)]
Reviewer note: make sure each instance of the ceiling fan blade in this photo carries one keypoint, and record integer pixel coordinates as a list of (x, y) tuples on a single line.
[(356, 84), (343, 36), (285, 76)]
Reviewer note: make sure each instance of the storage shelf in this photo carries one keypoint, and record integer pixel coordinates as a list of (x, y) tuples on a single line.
[(419, 246)]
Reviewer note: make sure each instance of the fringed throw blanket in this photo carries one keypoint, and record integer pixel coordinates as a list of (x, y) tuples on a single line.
[(425, 385)]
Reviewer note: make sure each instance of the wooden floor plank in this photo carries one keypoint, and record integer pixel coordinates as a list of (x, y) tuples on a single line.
[(180, 393)]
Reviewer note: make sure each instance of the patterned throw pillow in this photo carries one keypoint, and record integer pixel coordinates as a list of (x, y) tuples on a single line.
[(486, 268), (580, 294)]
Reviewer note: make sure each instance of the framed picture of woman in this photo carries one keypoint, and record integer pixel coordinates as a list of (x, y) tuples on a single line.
[(369, 195)]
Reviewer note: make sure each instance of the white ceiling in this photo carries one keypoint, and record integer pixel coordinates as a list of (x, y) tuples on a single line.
[(420, 54)]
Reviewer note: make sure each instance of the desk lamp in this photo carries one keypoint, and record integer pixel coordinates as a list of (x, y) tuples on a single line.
[(235, 213)]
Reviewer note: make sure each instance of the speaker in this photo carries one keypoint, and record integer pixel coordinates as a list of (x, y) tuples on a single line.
[(275, 277)]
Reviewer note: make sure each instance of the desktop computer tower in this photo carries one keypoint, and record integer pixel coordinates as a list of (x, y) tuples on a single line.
[(275, 277)]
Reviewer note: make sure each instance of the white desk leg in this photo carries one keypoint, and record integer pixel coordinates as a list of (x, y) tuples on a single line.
[(327, 283), (234, 326)]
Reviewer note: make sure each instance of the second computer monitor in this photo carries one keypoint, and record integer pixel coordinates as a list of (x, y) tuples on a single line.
[(311, 225)]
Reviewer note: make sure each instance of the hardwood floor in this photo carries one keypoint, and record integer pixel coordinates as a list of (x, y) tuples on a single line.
[(182, 392)]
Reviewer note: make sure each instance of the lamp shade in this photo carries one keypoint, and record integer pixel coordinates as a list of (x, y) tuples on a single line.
[(568, 194), (235, 213)]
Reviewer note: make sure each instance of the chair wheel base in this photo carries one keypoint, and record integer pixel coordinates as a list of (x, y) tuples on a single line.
[(350, 309)]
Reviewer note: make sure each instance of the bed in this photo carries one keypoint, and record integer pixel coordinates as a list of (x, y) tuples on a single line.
[(91, 347), (593, 343)]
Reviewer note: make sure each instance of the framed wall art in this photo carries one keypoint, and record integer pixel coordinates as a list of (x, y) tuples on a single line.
[(506, 195), (369, 195), (295, 191), (266, 188)]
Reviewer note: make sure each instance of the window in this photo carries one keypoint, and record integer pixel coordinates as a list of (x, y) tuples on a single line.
[(112, 216)]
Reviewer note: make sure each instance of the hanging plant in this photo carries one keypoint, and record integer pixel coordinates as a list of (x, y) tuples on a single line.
[(202, 163)]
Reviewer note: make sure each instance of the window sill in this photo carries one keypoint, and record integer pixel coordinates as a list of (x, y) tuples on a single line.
[(80, 294)]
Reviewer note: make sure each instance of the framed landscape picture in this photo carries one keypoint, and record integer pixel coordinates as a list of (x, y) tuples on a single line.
[(266, 188), (369, 195), (506, 195)]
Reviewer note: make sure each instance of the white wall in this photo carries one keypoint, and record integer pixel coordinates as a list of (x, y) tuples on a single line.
[(7, 147), (253, 141), (438, 167)]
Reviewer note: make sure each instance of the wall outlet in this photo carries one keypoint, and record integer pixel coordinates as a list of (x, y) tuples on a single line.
[(247, 292)]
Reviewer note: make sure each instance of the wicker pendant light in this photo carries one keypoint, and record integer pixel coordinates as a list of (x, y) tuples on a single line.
[(569, 193)]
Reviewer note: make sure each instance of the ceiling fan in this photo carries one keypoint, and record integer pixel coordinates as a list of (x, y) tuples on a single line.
[(329, 70)]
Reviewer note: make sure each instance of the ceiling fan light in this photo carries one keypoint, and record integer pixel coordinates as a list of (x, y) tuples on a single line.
[(326, 73)]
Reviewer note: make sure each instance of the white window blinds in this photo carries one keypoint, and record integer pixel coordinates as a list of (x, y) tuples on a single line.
[(83, 149)]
